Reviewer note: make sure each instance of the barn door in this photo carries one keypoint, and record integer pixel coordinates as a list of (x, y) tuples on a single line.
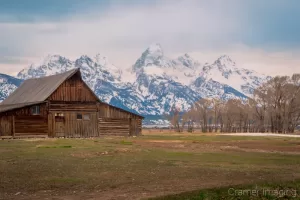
[(59, 126), (59, 129), (133, 127)]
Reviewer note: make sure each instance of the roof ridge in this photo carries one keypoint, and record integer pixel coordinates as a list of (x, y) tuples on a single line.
[(50, 76), (38, 89), (22, 103)]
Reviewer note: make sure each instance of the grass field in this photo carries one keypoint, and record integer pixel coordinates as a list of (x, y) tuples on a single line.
[(162, 166)]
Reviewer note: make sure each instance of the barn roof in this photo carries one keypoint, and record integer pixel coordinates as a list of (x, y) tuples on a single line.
[(8, 107), (37, 90)]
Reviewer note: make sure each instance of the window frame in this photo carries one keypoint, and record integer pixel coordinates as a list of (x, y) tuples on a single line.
[(86, 115), (79, 114), (35, 110)]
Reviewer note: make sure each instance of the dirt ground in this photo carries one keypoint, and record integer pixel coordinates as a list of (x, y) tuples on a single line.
[(142, 167), (264, 134)]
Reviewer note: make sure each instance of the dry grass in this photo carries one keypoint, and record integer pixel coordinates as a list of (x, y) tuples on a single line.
[(172, 132), (141, 167)]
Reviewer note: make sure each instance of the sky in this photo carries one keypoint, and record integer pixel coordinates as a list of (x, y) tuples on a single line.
[(259, 35)]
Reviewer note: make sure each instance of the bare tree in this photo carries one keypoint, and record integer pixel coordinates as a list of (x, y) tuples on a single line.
[(189, 118), (274, 107), (202, 107), (216, 110), (292, 96), (259, 104), (175, 118)]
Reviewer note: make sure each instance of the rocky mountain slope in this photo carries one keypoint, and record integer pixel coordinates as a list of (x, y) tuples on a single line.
[(153, 84), (7, 85)]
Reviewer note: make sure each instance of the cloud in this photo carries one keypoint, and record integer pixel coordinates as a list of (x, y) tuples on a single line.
[(122, 31), (266, 62)]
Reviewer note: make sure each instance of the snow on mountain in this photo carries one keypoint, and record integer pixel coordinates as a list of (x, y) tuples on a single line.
[(224, 71), (222, 79), (154, 63), (49, 66), (152, 56), (163, 82), (7, 85), (153, 84)]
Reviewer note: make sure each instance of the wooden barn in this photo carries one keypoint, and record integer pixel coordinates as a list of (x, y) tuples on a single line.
[(63, 106)]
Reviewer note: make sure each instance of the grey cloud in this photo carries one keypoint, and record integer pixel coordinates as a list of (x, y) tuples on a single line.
[(122, 32)]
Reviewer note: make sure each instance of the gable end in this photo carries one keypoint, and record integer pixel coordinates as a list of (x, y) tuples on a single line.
[(73, 89)]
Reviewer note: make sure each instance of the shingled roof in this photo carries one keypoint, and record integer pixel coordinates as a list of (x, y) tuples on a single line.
[(34, 91), (37, 89), (8, 107)]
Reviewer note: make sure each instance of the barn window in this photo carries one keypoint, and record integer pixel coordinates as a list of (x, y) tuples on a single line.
[(79, 116), (59, 114), (86, 117), (35, 110)]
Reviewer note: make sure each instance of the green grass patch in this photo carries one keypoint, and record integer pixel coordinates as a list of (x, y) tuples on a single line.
[(267, 191), (124, 142)]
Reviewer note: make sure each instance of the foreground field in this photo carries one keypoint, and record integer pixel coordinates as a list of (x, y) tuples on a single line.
[(148, 166)]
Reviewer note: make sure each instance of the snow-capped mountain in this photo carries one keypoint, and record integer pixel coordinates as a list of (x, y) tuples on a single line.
[(224, 71), (7, 85), (153, 63), (223, 79), (52, 64), (163, 82), (153, 84)]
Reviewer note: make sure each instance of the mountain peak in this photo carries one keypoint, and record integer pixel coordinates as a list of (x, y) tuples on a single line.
[(84, 57), (153, 52), (225, 60), (224, 57), (188, 61), (101, 60), (155, 48), (84, 62), (186, 55), (151, 56), (49, 65), (51, 59)]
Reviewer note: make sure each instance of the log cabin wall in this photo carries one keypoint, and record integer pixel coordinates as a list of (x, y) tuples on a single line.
[(64, 119), (114, 121), (106, 110), (59, 119), (72, 98), (22, 122), (136, 127), (6, 125), (31, 125), (27, 123), (68, 124), (114, 126), (72, 106)]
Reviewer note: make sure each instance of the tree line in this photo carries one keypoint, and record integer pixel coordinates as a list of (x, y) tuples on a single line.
[(274, 107)]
